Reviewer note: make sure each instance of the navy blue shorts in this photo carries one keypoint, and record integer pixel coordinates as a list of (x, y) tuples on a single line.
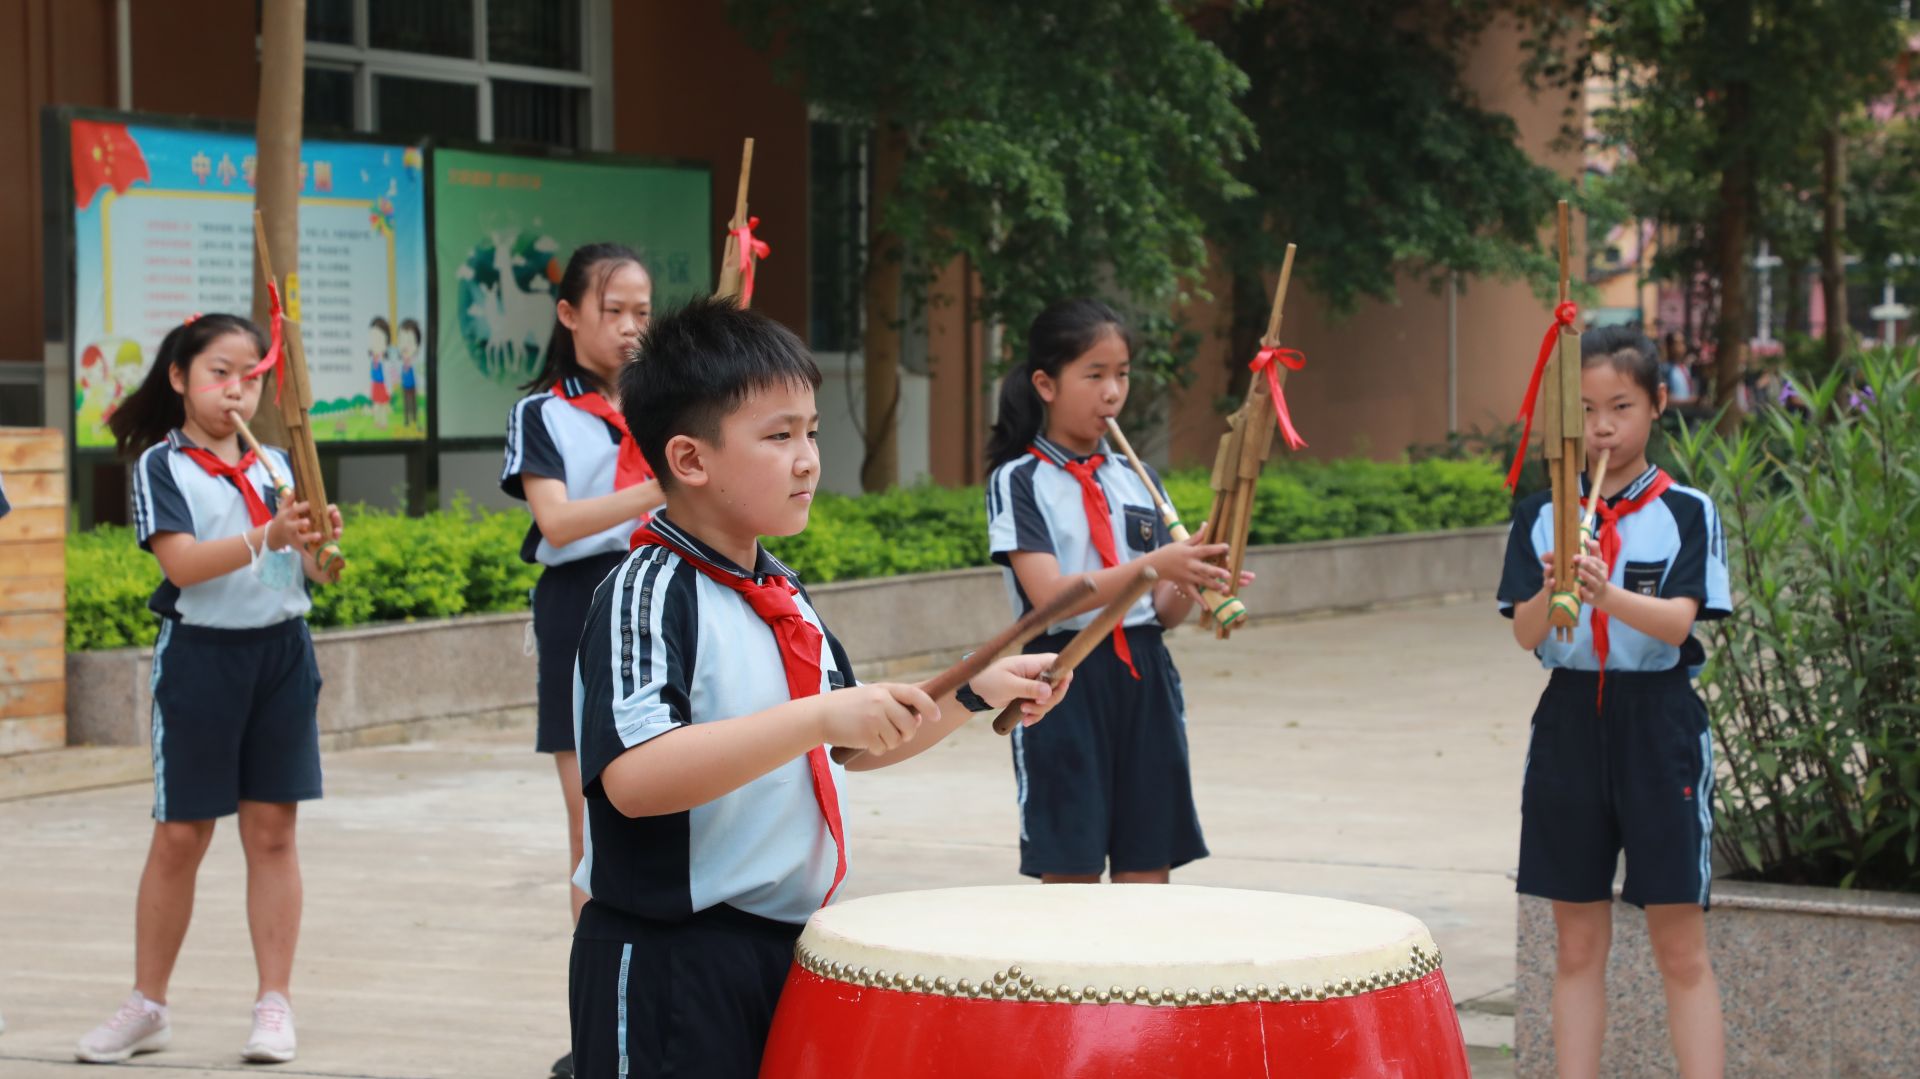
[(560, 601), (696, 997), (234, 719), (1103, 779), (1635, 774)]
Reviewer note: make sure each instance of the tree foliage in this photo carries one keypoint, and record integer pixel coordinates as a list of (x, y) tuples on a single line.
[(1063, 150)]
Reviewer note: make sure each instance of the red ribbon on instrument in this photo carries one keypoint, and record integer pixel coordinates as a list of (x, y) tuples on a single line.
[(1563, 317), (1293, 360), (752, 249), (270, 362)]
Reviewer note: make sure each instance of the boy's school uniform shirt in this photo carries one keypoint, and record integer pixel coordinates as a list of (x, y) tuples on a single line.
[(1034, 504), (171, 493), (547, 435), (664, 648), (1672, 546)]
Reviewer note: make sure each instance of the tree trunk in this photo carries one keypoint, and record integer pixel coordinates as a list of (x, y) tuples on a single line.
[(1833, 267), (1730, 251), (283, 49), (880, 466)]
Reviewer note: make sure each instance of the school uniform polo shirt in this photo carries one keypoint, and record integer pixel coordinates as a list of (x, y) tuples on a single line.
[(548, 436), (173, 494), (1034, 504), (664, 648), (1672, 547)]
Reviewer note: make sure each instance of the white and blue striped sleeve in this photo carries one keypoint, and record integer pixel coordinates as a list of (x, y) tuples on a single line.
[(1015, 521), (1699, 569), (530, 450), (633, 676), (158, 503)]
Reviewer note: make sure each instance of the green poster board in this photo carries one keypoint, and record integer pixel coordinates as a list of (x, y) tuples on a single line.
[(503, 229)]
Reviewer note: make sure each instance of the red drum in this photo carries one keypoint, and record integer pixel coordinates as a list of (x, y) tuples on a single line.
[(1106, 980)]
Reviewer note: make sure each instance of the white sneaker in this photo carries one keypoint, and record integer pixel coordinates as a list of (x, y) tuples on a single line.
[(140, 1026), (272, 1039)]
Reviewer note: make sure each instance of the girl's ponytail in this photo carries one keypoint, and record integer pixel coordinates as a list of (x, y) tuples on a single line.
[(587, 271), (148, 413), (1060, 335)]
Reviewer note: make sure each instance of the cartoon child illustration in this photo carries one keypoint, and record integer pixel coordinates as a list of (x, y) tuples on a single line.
[(409, 385), (379, 341)]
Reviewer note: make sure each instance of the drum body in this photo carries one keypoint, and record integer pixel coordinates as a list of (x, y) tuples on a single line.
[(1091, 980)]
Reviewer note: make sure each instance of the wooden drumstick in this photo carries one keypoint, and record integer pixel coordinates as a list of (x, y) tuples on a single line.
[(1030, 625), (1223, 609), (1084, 642), (327, 553)]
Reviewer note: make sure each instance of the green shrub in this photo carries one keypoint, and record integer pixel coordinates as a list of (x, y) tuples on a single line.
[(1814, 682), (466, 560)]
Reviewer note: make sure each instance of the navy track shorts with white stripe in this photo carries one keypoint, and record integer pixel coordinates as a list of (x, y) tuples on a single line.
[(694, 997), (1103, 781), (1633, 772), (560, 601), (234, 718)]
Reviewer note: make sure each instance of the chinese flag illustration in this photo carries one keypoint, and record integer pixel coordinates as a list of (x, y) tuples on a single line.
[(104, 155)]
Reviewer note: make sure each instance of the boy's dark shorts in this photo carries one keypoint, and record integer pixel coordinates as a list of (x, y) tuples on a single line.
[(234, 719), (1103, 781), (1634, 773), (696, 997)]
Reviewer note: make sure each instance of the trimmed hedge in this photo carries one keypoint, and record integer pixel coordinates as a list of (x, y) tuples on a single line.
[(466, 560)]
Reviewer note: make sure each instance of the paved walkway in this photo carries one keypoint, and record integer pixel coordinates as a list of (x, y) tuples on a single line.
[(1373, 757)]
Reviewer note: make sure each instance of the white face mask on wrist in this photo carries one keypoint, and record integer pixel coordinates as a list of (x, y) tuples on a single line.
[(277, 571)]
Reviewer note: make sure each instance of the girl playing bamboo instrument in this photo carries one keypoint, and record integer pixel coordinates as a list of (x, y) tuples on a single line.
[(234, 679), (1104, 786), (570, 456), (1620, 755)]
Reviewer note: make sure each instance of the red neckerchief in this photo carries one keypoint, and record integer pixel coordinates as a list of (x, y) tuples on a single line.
[(1093, 499), (631, 468), (800, 643), (236, 474), (1607, 534)]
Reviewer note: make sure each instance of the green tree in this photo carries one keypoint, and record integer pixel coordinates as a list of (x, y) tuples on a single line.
[(1373, 156), (1061, 150), (1747, 96)]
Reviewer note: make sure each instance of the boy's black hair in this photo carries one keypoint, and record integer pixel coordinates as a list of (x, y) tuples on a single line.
[(696, 364), (1629, 351)]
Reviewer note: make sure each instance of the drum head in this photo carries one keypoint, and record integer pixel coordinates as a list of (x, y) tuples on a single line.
[(1175, 944)]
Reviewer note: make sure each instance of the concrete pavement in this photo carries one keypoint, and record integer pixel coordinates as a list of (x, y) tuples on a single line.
[(1373, 757)]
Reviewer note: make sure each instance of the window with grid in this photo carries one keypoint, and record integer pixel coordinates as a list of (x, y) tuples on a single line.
[(492, 70)]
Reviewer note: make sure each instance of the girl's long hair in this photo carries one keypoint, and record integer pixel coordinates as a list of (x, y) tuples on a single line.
[(148, 413), (1059, 335), (589, 270)]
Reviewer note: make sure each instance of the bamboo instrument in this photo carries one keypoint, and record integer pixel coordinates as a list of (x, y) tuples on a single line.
[(309, 485), (1563, 432), (1223, 609), (732, 281)]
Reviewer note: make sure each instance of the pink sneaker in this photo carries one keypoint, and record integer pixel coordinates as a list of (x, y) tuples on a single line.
[(272, 1039), (140, 1026)]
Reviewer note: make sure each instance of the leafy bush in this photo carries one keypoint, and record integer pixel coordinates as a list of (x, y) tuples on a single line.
[(466, 560), (1814, 682)]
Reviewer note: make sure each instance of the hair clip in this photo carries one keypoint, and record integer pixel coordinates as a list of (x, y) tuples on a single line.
[(190, 319)]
